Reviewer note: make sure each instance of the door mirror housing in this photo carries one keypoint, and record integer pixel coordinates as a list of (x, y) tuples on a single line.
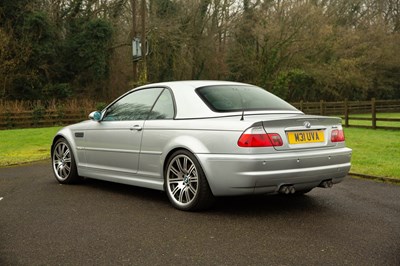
[(95, 116)]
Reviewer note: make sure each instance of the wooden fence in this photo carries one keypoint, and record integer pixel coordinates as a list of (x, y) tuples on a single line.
[(348, 110), (28, 119), (26, 114)]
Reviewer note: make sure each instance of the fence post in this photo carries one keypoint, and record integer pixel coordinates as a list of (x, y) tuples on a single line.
[(301, 105), (321, 107), (373, 111), (346, 113)]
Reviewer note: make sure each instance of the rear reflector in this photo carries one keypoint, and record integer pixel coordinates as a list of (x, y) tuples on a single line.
[(257, 137), (337, 135), (275, 139)]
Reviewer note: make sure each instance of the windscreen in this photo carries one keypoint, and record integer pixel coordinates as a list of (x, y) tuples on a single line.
[(230, 98)]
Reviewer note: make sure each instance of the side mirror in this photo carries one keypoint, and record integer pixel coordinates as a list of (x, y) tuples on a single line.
[(95, 116)]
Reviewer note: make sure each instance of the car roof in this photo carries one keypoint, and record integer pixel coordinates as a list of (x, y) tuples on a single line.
[(194, 83), (189, 105)]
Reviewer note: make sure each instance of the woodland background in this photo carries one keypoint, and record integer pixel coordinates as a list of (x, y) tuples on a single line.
[(298, 49)]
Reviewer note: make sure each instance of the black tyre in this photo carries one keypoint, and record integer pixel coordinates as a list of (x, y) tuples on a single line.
[(63, 163), (185, 183)]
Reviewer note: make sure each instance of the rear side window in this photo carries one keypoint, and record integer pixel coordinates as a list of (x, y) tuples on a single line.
[(164, 107), (230, 98)]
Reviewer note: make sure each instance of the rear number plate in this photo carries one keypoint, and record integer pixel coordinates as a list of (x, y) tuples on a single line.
[(301, 137)]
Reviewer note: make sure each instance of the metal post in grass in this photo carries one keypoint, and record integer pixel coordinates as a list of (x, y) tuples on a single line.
[(373, 112)]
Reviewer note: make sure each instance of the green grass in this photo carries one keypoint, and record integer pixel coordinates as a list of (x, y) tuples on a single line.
[(375, 152), (25, 145)]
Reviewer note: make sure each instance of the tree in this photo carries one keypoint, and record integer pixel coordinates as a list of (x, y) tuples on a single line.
[(299, 49), (86, 54)]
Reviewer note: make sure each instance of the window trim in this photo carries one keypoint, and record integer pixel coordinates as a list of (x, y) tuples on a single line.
[(104, 111), (204, 99), (155, 102)]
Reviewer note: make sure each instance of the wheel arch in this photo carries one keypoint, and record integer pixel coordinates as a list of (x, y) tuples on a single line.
[(185, 142), (169, 155), (55, 139), (67, 135)]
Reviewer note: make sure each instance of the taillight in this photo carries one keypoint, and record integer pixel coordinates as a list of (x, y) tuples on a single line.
[(257, 137), (337, 135)]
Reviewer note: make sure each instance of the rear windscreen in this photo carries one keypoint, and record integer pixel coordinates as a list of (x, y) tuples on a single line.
[(230, 98)]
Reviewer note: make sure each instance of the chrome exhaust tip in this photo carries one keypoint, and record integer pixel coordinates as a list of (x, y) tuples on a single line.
[(326, 184), (284, 190), (287, 190)]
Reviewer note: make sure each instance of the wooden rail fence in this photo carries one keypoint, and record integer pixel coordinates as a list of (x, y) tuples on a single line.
[(28, 119), (348, 110)]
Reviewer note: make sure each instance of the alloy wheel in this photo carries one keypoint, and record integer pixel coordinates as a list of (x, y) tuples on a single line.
[(62, 161), (182, 180)]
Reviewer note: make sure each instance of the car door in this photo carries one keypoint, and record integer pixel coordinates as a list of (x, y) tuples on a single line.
[(113, 144), (156, 134)]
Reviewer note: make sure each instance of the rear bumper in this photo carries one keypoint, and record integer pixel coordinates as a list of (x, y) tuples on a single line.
[(265, 173)]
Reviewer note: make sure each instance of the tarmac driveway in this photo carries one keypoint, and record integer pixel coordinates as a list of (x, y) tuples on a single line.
[(42, 222)]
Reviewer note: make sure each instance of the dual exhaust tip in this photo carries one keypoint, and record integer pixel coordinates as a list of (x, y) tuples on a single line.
[(326, 184), (289, 189)]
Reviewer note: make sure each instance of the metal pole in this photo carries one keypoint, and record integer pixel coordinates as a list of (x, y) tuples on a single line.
[(144, 44), (133, 7)]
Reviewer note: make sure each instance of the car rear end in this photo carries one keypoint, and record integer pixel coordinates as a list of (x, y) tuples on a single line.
[(271, 147), (286, 154)]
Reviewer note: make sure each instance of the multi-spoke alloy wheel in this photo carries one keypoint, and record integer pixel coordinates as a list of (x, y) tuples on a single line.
[(182, 179), (63, 162), (185, 182)]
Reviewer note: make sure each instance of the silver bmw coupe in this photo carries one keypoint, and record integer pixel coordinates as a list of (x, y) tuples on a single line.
[(197, 140)]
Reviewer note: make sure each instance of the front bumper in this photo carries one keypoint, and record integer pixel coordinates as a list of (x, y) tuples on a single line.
[(243, 174)]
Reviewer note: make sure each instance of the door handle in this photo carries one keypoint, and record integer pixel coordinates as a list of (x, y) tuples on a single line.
[(136, 127)]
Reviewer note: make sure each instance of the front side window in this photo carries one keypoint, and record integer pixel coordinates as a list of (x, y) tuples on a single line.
[(230, 98), (134, 106)]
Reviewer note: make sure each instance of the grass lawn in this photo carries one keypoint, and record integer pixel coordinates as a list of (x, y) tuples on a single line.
[(25, 145), (375, 152)]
